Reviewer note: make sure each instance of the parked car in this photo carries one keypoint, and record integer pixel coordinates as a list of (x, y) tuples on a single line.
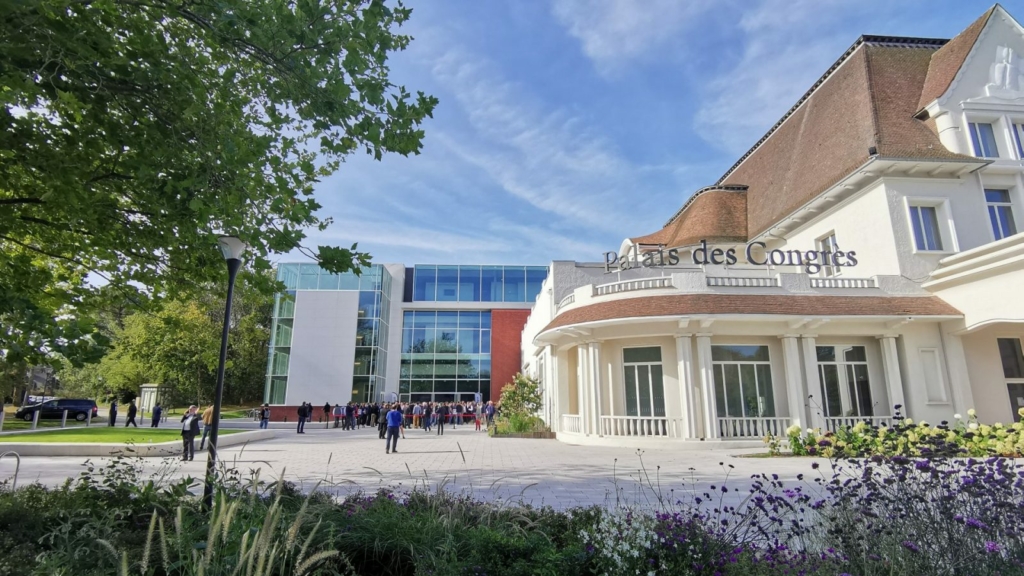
[(78, 408)]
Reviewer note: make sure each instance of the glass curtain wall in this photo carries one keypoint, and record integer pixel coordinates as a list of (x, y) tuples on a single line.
[(446, 355), (477, 283), (374, 287)]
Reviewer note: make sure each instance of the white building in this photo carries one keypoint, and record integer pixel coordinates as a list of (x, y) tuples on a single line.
[(863, 254)]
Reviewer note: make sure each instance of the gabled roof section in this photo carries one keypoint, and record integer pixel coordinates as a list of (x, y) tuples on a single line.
[(946, 62), (863, 107), (715, 213)]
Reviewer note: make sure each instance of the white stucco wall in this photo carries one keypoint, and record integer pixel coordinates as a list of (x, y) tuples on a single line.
[(916, 338), (988, 383), (323, 347)]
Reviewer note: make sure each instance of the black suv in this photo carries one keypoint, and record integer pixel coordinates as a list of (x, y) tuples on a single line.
[(78, 408)]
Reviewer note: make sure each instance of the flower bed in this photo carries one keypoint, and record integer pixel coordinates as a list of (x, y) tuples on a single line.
[(879, 516), (961, 437)]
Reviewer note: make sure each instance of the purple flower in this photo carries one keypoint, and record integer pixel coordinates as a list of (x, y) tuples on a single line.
[(992, 547), (975, 523), (911, 546)]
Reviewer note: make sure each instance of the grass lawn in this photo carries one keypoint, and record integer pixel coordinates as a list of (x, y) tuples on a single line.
[(103, 434)]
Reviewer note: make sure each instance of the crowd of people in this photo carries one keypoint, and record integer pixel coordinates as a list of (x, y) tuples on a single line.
[(390, 419), (426, 415)]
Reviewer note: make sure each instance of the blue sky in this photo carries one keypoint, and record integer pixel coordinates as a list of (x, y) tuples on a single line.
[(565, 126)]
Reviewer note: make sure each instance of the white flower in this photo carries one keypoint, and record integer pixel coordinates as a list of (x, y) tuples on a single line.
[(973, 426), (810, 430), (957, 416), (972, 413)]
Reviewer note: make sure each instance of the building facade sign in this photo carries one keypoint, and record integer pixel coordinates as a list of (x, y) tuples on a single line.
[(755, 253)]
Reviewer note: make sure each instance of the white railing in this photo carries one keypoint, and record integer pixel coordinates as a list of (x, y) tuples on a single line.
[(567, 300), (752, 427), (631, 285), (572, 423), (843, 283), (743, 282), (639, 426), (833, 424)]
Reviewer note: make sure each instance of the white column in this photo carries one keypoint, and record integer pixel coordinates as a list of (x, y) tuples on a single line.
[(893, 380), (795, 390), (595, 383), (815, 405), (550, 385), (684, 357), (583, 381), (707, 384)]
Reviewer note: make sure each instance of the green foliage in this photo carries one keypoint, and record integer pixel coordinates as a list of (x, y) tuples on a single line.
[(908, 438), (522, 397), (132, 133)]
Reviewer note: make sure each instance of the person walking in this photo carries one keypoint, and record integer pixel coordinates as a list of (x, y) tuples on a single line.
[(207, 425), (428, 413), (189, 431), (476, 416), (302, 413), (394, 418), (338, 413), (327, 411), (158, 412), (265, 417), (458, 414), (489, 411), (442, 415), (112, 414), (132, 411), (417, 412), (382, 426)]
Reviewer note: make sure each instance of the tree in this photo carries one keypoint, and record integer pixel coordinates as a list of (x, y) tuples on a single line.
[(522, 397), (132, 132)]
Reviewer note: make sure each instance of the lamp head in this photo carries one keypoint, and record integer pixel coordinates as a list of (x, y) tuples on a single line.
[(231, 247)]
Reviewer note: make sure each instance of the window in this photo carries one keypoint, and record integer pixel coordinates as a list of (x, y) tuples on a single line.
[(1000, 213), (924, 220), (843, 376), (1018, 137), (645, 389), (743, 381), (1013, 370), (829, 244), (445, 354), (983, 140)]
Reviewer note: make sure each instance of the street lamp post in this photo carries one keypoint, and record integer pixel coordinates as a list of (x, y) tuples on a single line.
[(232, 248)]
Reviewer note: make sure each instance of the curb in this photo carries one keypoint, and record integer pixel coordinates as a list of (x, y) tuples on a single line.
[(172, 448)]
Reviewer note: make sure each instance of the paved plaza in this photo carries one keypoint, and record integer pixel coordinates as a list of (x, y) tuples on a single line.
[(537, 472)]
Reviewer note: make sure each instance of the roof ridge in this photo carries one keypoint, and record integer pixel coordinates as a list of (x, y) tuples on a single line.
[(873, 103), (933, 90), (861, 40)]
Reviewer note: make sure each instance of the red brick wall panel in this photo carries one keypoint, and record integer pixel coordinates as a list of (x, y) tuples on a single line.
[(506, 347)]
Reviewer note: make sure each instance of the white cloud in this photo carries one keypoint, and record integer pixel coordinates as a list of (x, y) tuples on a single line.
[(614, 32), (787, 46), (543, 156)]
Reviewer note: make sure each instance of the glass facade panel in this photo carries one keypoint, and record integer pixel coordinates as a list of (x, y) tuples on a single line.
[(490, 284), (535, 276), (843, 379), (515, 283), (477, 283), (447, 283), (643, 381), (446, 352), (469, 283), (374, 308)]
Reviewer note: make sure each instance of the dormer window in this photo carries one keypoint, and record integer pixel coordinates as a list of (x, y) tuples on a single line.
[(983, 140)]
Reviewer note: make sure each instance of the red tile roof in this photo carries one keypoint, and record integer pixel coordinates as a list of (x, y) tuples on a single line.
[(761, 304), (864, 106), (946, 61)]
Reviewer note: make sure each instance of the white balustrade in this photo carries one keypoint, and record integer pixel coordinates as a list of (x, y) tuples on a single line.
[(640, 426), (567, 300), (572, 423), (832, 424), (631, 285), (843, 283), (743, 282), (752, 427)]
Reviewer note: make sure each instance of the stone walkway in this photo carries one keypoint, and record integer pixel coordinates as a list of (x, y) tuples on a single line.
[(537, 472)]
